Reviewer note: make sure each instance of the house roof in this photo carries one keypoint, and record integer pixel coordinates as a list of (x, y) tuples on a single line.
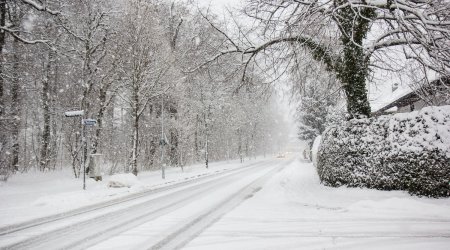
[(387, 100), (403, 100), (403, 96)]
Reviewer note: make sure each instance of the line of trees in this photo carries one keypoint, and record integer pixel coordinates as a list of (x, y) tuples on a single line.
[(125, 63)]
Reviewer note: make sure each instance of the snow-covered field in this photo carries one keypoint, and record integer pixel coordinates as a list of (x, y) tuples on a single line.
[(293, 211), (35, 194)]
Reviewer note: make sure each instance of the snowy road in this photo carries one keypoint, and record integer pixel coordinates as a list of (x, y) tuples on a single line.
[(159, 220), (294, 211), (268, 204)]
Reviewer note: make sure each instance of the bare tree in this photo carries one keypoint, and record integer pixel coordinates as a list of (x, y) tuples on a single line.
[(349, 37), (148, 63), (12, 33), (117, 60)]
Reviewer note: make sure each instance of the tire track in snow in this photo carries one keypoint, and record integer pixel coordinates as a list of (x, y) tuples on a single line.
[(5, 230), (196, 226), (77, 236)]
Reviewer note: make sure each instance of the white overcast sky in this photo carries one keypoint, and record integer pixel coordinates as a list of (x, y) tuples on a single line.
[(219, 5)]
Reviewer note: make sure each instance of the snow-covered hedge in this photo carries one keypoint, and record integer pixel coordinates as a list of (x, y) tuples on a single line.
[(406, 151)]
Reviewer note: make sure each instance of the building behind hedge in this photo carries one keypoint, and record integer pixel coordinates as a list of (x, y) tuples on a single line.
[(435, 93)]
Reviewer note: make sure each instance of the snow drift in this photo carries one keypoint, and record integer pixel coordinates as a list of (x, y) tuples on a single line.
[(406, 151), (123, 180)]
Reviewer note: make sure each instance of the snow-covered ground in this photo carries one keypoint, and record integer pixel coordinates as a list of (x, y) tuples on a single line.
[(294, 211), (35, 194), (167, 215), (275, 204)]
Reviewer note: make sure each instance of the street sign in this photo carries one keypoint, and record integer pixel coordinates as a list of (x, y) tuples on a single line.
[(74, 113), (84, 122), (89, 122)]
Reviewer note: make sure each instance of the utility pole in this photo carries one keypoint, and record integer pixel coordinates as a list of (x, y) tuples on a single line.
[(162, 141), (206, 141), (83, 155)]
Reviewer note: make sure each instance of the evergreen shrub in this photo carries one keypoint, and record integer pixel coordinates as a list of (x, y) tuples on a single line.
[(404, 151)]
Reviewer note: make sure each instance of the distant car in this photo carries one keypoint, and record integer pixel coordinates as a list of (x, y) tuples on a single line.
[(281, 156)]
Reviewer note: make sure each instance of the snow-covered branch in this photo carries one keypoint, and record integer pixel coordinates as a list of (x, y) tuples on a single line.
[(24, 40), (319, 51), (40, 7)]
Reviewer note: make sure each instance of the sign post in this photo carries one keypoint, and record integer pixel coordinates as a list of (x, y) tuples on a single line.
[(83, 155), (80, 113), (84, 123)]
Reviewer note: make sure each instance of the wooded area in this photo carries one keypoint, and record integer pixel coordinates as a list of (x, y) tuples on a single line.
[(171, 79), (125, 64)]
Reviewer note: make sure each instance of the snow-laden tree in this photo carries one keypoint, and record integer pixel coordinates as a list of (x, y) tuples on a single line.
[(350, 37), (16, 32), (147, 66), (124, 63), (85, 50), (316, 94)]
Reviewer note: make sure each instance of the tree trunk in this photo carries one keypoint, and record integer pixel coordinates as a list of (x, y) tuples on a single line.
[(354, 76), (354, 69), (173, 131), (100, 115), (15, 108), (2, 44), (55, 136), (133, 164), (196, 142), (174, 147), (3, 137), (45, 139), (135, 136)]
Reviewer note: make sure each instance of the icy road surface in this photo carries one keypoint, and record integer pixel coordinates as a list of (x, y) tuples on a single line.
[(266, 204)]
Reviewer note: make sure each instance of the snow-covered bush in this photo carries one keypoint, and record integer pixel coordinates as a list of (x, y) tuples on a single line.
[(406, 151)]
